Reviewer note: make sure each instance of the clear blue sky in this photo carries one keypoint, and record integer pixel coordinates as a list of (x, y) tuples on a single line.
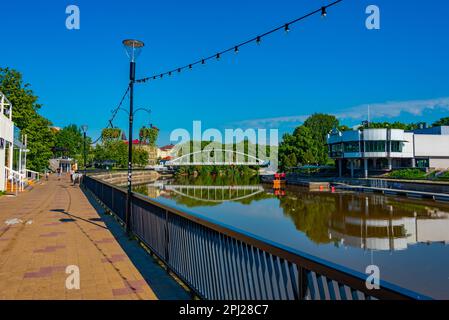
[(333, 65)]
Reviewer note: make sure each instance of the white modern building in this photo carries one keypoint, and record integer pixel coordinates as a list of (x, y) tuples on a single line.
[(13, 150), (387, 149)]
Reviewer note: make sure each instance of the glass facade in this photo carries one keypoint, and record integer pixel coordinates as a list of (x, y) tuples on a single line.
[(375, 146), (396, 146), (352, 147)]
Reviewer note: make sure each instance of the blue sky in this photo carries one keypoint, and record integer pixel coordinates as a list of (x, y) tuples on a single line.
[(333, 65)]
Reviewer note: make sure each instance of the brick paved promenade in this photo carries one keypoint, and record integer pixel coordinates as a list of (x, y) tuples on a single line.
[(56, 226)]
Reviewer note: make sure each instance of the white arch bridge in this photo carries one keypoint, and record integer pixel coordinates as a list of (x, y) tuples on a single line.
[(215, 193), (218, 157)]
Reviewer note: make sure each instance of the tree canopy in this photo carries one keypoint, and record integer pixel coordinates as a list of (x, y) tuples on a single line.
[(320, 125), (117, 150), (27, 119), (441, 122)]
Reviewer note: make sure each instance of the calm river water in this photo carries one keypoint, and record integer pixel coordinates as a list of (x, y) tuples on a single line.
[(407, 239)]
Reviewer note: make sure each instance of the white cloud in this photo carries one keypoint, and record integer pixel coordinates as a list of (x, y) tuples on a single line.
[(389, 109)]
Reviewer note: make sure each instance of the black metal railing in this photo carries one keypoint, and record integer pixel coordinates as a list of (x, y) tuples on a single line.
[(218, 262)]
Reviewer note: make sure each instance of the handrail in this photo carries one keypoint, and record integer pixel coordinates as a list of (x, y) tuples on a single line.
[(16, 178), (336, 273), (33, 174)]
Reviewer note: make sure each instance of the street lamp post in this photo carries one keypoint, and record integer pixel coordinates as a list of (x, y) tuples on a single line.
[(133, 48), (84, 129)]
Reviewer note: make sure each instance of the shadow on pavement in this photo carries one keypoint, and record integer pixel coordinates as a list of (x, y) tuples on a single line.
[(162, 284)]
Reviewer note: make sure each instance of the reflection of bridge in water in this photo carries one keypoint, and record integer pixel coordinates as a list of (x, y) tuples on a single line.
[(215, 193)]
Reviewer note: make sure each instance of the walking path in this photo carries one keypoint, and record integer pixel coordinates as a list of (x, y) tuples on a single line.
[(53, 226)]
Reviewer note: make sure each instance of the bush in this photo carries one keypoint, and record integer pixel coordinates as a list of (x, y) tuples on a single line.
[(411, 174), (444, 176)]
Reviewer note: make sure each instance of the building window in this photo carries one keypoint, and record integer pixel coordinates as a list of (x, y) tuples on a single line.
[(396, 146), (351, 147), (422, 163), (336, 147), (374, 146)]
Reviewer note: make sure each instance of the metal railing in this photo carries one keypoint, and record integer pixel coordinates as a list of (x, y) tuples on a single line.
[(15, 179), (219, 262), (32, 175)]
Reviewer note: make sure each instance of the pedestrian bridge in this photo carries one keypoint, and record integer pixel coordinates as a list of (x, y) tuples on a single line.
[(215, 193)]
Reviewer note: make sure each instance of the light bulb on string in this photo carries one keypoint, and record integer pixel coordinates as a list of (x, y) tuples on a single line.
[(217, 56), (287, 28), (258, 40), (323, 12), (236, 49)]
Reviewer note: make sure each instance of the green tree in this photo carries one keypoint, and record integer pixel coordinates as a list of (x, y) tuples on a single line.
[(391, 125), (71, 139), (320, 125), (441, 122), (117, 150), (297, 148), (27, 119)]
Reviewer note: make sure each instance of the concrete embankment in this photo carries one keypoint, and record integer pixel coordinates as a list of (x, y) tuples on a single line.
[(292, 179), (121, 177)]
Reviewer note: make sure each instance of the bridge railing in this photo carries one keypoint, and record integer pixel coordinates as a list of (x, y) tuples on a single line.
[(219, 262)]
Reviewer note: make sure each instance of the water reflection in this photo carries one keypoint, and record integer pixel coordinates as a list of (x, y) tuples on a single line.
[(372, 222), (368, 222), (348, 229)]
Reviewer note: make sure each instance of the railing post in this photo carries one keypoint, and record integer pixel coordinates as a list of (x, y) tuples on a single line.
[(167, 238), (302, 283)]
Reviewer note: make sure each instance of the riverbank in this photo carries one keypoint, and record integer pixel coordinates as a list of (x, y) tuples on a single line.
[(121, 177), (400, 185)]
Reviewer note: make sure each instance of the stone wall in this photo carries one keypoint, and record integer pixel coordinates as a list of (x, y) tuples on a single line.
[(121, 177)]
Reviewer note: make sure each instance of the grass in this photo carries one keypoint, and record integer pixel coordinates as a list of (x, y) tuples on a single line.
[(417, 174), (408, 174)]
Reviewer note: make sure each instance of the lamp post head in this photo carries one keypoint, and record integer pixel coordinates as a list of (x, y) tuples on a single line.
[(84, 128), (133, 48)]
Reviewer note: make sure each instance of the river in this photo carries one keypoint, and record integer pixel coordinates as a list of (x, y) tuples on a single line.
[(407, 239)]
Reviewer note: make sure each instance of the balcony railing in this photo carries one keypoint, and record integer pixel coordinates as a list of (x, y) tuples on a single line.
[(220, 262)]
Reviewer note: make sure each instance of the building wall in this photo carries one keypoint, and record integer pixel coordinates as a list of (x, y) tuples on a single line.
[(431, 145), (7, 133), (439, 163), (408, 145)]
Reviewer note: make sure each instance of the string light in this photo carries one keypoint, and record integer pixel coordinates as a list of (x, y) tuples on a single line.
[(258, 40), (323, 12), (114, 114)]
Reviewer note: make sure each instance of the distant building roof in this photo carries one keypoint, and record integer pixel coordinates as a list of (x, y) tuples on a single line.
[(167, 147), (135, 141), (442, 130)]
